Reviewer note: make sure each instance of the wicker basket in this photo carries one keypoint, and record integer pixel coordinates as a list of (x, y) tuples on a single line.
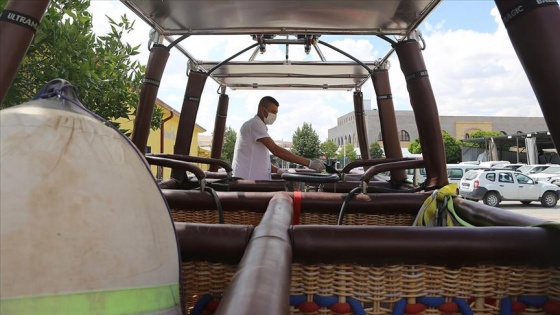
[(380, 290), (309, 217)]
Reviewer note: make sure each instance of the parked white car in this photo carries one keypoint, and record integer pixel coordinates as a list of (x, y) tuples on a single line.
[(486, 164), (550, 175), (533, 169), (510, 166), (494, 186), (456, 171), (420, 175)]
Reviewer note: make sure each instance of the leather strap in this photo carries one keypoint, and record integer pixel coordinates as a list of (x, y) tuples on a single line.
[(297, 207)]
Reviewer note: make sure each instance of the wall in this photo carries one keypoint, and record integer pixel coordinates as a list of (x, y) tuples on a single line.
[(457, 126), (169, 135)]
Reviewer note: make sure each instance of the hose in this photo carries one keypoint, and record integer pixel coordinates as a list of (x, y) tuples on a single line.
[(218, 204), (346, 200)]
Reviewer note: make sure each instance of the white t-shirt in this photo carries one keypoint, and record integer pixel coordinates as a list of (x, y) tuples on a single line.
[(251, 158)]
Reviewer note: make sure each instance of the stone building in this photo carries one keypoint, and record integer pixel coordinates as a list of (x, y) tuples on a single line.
[(459, 127)]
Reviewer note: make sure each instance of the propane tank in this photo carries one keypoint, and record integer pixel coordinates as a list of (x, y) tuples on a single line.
[(84, 227)]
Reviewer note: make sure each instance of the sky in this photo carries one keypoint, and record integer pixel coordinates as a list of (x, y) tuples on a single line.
[(473, 70)]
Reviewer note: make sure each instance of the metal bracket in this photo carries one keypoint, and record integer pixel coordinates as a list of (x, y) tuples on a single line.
[(383, 64), (154, 38), (417, 36)]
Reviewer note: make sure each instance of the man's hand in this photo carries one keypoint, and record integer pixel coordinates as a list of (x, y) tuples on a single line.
[(317, 165)]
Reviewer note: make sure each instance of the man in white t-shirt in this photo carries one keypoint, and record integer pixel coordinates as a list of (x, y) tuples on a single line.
[(251, 155)]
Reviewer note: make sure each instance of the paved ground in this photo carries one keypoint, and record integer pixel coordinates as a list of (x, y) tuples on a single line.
[(534, 209)]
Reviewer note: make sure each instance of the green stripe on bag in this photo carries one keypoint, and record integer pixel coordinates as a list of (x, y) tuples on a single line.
[(123, 301)]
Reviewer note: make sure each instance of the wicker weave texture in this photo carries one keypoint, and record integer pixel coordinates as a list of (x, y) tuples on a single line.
[(379, 288), (201, 278), (240, 217), (309, 217)]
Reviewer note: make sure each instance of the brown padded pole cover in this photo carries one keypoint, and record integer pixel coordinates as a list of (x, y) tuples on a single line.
[(15, 38), (535, 38), (425, 111), (372, 162), (187, 120), (195, 159), (150, 86), (168, 184), (376, 169), (328, 203), (350, 182), (186, 166), (388, 121), (261, 284), (380, 245), (219, 130), (212, 242), (482, 215), (248, 185), (361, 124)]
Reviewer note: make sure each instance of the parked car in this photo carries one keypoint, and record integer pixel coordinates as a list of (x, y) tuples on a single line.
[(510, 166), (549, 175), (485, 164), (494, 186), (533, 169), (456, 171), (420, 174)]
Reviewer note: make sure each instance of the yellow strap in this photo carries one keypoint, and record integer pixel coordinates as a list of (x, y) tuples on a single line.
[(427, 213), (124, 301)]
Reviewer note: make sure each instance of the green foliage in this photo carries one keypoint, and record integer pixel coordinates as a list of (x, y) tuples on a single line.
[(306, 142), (451, 145), (375, 150), (100, 67), (350, 152), (328, 149), (230, 137), (414, 147), (482, 134), (452, 148), (485, 134)]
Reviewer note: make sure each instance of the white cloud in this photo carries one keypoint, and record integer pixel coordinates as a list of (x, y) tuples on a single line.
[(472, 73), (475, 73)]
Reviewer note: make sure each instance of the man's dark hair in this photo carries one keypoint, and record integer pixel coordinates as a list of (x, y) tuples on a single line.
[(268, 99)]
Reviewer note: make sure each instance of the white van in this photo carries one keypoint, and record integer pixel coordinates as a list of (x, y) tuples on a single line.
[(456, 171), (420, 175)]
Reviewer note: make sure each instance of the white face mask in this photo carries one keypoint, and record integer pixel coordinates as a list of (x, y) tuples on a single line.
[(270, 119)]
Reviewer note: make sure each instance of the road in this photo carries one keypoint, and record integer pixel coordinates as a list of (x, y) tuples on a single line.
[(534, 209)]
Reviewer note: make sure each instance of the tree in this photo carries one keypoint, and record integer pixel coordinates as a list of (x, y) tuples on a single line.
[(375, 150), (100, 67), (350, 152), (414, 147), (452, 148), (306, 142), (230, 137), (328, 149), (451, 145), (485, 135)]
